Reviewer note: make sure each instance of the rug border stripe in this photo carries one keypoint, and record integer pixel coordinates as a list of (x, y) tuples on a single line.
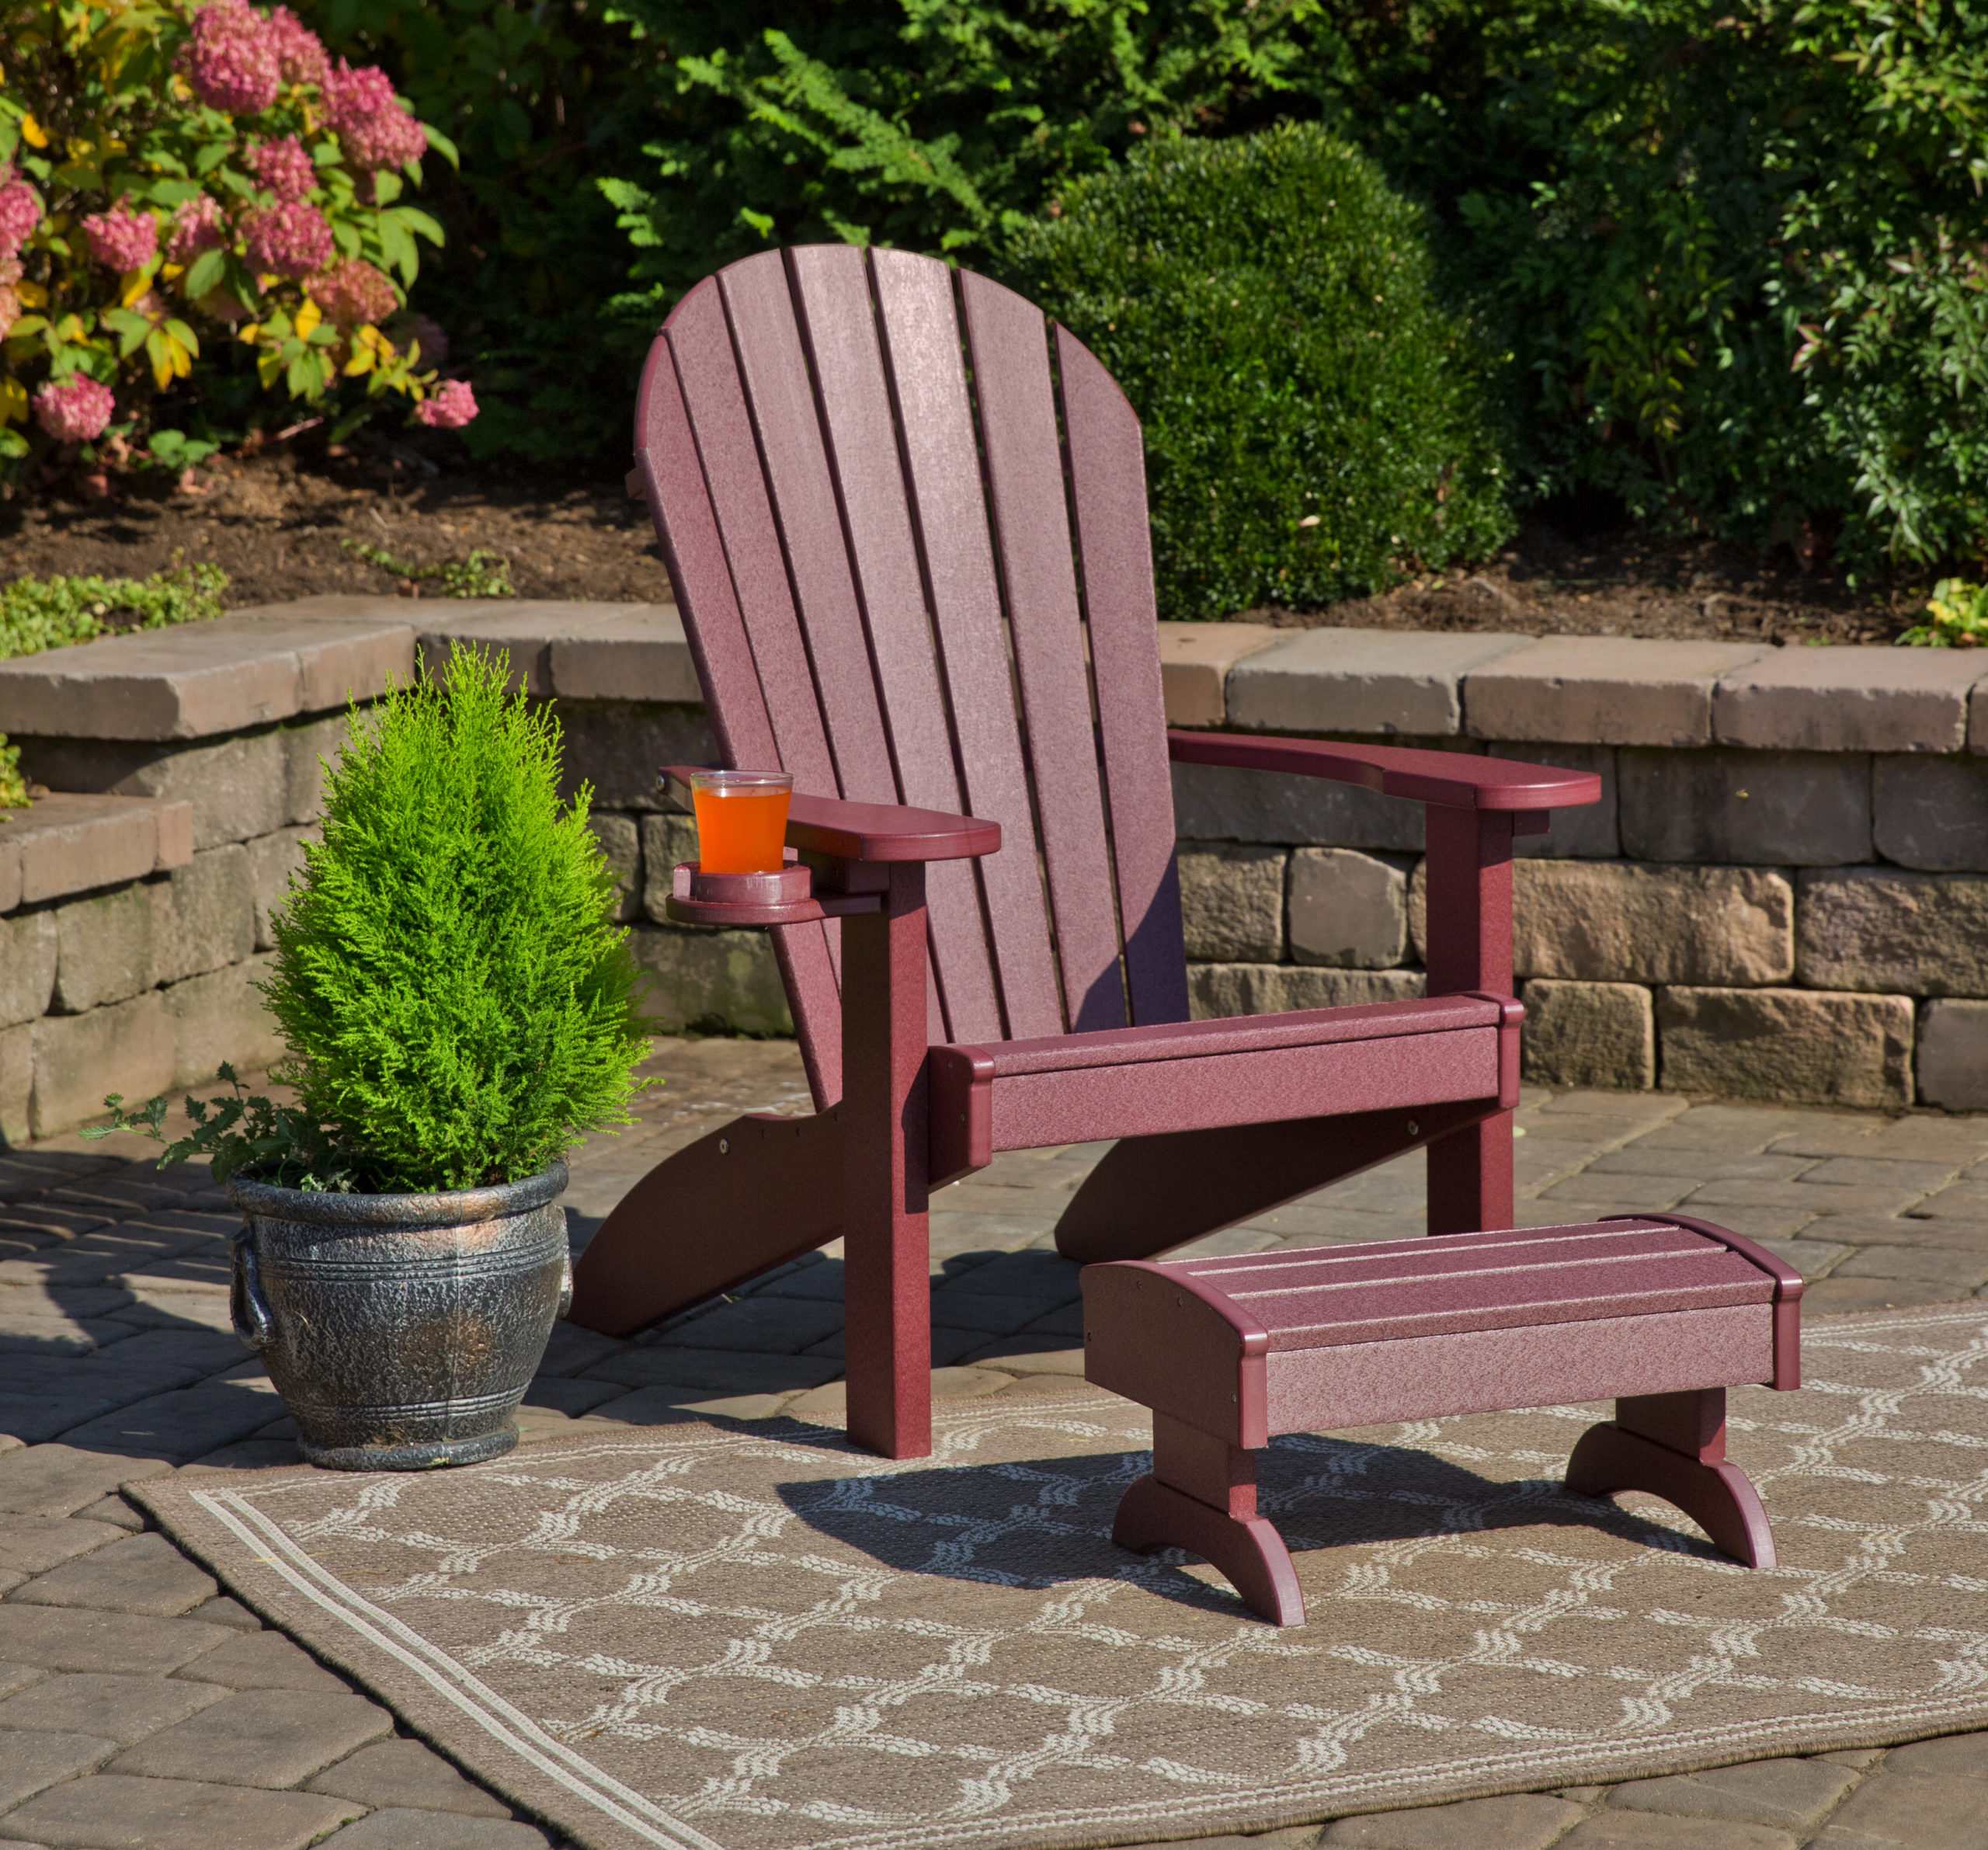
[(497, 1717)]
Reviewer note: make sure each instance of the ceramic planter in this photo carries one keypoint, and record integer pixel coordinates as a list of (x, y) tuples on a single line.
[(401, 1330)]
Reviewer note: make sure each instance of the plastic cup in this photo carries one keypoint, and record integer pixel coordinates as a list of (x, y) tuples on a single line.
[(741, 819)]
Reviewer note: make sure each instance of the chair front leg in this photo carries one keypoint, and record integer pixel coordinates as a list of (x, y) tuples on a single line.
[(886, 1290), (1469, 947)]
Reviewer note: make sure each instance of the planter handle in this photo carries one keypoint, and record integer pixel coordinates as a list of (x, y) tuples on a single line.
[(254, 1322), (565, 1288)]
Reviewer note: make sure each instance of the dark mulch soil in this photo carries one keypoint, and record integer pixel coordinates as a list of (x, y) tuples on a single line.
[(275, 522)]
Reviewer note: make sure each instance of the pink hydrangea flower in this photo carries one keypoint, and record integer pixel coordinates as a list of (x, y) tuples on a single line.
[(20, 212), (283, 167), (231, 60), (197, 226), (353, 292), (451, 406), (391, 139), (290, 240), (410, 331), (299, 52), (10, 308), (74, 410), (121, 239), (350, 96)]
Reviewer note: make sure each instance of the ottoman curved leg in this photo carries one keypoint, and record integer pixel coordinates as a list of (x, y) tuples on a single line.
[(1248, 1550), (1644, 1447)]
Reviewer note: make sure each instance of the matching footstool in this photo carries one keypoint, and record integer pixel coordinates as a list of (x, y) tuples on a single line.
[(1660, 1313)]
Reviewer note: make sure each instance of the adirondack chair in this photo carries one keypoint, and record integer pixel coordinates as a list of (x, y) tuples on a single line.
[(906, 520)]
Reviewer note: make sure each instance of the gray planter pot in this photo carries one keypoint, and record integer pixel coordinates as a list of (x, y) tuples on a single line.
[(401, 1330)]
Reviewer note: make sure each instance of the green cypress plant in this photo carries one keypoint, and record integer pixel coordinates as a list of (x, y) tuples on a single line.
[(458, 1005)]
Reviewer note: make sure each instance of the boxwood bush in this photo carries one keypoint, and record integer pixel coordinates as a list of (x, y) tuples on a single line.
[(1317, 423)]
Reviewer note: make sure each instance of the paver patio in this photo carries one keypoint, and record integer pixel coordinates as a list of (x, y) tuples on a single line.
[(139, 1707)]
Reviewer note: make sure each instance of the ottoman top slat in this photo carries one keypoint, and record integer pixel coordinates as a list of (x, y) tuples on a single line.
[(1383, 1290)]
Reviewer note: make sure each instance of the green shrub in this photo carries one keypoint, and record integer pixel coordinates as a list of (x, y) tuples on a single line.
[(1957, 615), (712, 131), (1316, 424), (51, 613), (1738, 247), (457, 1001)]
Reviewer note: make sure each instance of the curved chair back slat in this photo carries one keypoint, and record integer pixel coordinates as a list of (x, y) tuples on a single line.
[(905, 518)]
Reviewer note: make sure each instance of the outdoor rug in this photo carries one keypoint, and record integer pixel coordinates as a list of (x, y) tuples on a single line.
[(750, 1637)]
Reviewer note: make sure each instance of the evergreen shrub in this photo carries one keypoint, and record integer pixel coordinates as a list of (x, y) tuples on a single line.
[(458, 1002), (459, 1006), (1317, 423)]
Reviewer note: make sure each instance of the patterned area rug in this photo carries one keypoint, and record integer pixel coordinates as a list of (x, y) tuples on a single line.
[(754, 1638)]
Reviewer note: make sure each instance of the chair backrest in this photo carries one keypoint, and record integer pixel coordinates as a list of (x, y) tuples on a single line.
[(905, 517)]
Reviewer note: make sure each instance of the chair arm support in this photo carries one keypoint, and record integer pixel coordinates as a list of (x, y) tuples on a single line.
[(868, 832), (1453, 779)]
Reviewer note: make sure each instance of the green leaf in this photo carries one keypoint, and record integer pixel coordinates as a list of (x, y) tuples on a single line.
[(205, 273), (132, 330), (442, 145), (184, 335), (418, 221)]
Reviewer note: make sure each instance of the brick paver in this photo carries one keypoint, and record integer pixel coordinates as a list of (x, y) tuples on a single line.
[(139, 1707)]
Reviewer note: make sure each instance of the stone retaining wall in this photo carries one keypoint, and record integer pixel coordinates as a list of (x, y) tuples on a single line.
[(1783, 893)]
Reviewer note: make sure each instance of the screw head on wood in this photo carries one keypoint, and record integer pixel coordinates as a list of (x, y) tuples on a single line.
[(725, 1146), (1414, 1129)]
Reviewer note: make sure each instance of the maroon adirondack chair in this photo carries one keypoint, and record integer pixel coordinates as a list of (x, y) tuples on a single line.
[(906, 520)]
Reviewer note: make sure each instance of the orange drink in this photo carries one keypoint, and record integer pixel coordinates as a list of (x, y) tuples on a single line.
[(742, 820)]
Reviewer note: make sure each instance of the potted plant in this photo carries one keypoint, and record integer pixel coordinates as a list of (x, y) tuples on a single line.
[(459, 1009)]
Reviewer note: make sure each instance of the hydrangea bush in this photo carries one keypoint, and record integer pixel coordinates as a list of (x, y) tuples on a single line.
[(191, 186)]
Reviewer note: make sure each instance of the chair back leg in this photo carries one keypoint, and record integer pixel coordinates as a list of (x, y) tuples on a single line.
[(1470, 1178)]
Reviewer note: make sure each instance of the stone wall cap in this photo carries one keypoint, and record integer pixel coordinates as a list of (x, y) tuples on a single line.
[(1852, 698), (1603, 690), (64, 843), (525, 627), (1194, 662), (250, 668), (641, 655), (1381, 682)]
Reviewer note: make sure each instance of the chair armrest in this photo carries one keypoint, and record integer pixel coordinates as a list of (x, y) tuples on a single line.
[(1454, 780), (869, 832)]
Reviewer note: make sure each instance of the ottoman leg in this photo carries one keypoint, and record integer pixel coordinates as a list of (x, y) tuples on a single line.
[(1202, 1496), (1673, 1446)]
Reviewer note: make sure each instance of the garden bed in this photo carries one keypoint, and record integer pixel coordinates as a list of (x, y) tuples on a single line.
[(282, 525)]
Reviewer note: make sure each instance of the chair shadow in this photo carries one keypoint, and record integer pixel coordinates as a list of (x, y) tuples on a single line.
[(1043, 1522)]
